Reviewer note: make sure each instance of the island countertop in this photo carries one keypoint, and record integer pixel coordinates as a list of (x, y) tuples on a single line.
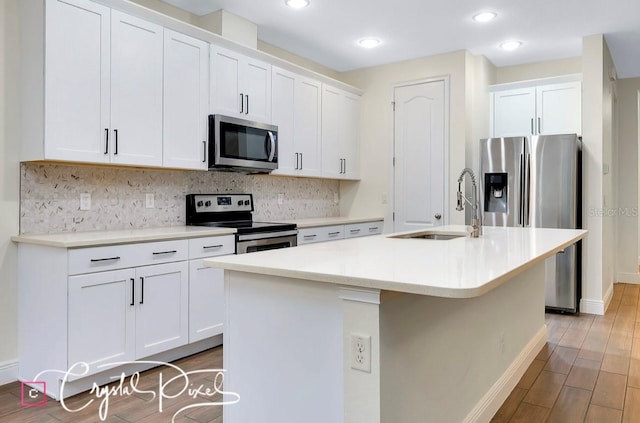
[(457, 268)]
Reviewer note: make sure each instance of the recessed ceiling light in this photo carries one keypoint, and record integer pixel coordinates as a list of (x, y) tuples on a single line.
[(510, 45), (297, 4), (484, 16), (368, 42)]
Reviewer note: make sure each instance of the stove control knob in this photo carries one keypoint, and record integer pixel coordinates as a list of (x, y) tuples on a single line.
[(207, 203), (199, 204), (239, 202), (246, 202)]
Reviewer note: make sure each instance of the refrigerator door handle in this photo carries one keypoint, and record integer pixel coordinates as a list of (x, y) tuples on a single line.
[(521, 188), (527, 192)]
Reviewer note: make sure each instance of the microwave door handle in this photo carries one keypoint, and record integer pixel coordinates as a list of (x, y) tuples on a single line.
[(272, 142)]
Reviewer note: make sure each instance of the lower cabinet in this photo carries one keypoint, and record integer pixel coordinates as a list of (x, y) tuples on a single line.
[(206, 301)]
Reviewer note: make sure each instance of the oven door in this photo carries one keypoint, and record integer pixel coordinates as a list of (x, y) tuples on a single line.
[(252, 243)]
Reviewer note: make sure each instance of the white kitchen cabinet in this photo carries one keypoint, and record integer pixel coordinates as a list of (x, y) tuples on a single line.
[(102, 318), (99, 89), (206, 287), (296, 110), (340, 135), (241, 86), (554, 108), (186, 101), (315, 234)]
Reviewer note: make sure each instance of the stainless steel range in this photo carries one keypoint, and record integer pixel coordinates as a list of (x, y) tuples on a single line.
[(235, 211)]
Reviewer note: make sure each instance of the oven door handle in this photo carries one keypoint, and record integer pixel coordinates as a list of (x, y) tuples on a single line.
[(272, 143), (266, 235)]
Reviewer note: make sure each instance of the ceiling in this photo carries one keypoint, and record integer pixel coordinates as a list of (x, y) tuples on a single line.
[(327, 30)]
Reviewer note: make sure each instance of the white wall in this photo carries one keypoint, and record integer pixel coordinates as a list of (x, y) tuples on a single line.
[(627, 249), (538, 70), (9, 189), (598, 266), (364, 198)]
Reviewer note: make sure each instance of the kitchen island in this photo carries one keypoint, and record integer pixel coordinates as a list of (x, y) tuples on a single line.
[(385, 328)]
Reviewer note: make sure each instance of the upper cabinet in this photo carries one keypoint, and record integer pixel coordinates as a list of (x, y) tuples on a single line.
[(241, 86), (536, 109), (296, 110), (101, 94), (186, 101), (340, 135)]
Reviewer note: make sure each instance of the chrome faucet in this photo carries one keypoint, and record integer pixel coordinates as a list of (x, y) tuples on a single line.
[(476, 221)]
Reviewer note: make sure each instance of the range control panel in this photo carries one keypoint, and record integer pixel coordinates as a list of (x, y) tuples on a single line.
[(208, 203)]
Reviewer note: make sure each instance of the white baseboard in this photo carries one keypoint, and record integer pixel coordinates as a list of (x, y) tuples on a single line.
[(8, 372), (592, 306), (491, 402), (625, 277)]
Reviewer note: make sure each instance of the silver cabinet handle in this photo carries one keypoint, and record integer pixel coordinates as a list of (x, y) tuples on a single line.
[(208, 247), (374, 228), (115, 133), (133, 292), (300, 161), (334, 233), (345, 166), (105, 259), (297, 167), (539, 126), (247, 109), (141, 290), (106, 142), (438, 216), (164, 252), (310, 236), (532, 130), (241, 103), (204, 151), (354, 231)]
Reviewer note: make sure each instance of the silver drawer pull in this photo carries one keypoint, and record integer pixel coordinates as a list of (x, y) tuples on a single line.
[(334, 233), (105, 259), (375, 228), (310, 236), (165, 252), (207, 247), (354, 231)]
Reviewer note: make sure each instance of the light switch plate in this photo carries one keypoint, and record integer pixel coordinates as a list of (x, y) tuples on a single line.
[(150, 200), (85, 201)]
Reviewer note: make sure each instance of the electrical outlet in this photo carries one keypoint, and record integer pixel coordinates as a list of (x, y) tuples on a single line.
[(336, 197), (361, 352), (150, 200), (280, 198), (85, 201)]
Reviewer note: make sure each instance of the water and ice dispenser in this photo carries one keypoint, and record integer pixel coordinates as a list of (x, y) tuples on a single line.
[(495, 192)]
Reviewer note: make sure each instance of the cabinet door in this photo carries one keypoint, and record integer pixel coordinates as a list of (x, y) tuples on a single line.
[(206, 301), (513, 112), (136, 91), (77, 81), (308, 109), (161, 307), (101, 318), (559, 108), (186, 101), (350, 131), (283, 112), (225, 82), (256, 85), (331, 132)]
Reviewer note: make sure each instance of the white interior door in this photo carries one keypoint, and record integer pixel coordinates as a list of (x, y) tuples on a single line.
[(419, 144)]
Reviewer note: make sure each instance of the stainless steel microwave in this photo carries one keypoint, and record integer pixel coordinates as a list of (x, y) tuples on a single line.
[(242, 145)]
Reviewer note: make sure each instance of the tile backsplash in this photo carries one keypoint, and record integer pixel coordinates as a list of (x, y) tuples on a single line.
[(50, 196)]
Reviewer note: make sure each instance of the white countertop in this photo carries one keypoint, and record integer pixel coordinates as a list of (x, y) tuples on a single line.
[(98, 238), (458, 268), (315, 222)]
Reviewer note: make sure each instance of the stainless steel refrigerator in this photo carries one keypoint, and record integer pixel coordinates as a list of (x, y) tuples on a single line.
[(535, 181)]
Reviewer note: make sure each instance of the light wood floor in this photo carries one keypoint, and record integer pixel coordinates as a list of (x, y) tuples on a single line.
[(589, 371)]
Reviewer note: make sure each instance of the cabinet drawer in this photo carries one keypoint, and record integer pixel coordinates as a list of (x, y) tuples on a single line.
[(320, 234), (212, 246), (112, 257), (362, 229)]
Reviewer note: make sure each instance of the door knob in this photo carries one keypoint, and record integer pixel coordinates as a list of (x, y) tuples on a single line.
[(438, 216)]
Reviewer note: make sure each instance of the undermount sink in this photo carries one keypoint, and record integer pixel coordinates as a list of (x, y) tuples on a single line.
[(435, 235)]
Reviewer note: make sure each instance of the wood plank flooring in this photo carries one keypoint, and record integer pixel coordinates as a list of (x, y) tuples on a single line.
[(589, 371)]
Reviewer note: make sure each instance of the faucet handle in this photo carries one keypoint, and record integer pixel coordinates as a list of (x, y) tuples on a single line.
[(438, 216)]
